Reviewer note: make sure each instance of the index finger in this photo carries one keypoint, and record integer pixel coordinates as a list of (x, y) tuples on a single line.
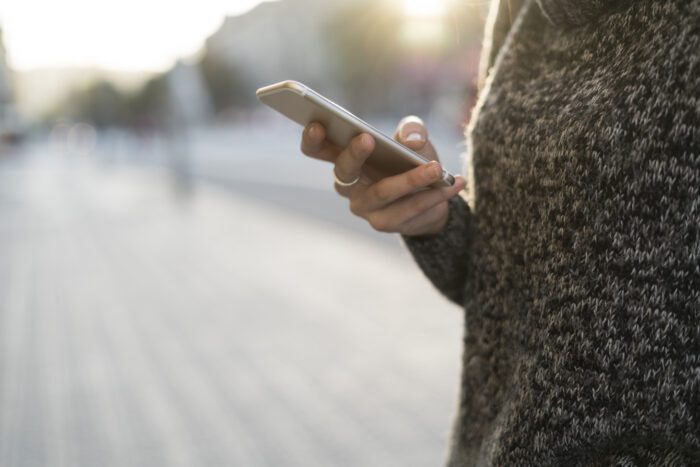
[(315, 144)]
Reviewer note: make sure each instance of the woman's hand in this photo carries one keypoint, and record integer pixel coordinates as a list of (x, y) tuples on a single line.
[(404, 203)]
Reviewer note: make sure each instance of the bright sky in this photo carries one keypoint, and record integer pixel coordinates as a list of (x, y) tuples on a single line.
[(129, 35), (139, 35)]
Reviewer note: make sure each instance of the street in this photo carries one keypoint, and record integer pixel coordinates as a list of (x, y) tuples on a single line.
[(147, 320)]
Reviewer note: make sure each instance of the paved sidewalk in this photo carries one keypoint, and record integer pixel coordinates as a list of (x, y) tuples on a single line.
[(142, 325)]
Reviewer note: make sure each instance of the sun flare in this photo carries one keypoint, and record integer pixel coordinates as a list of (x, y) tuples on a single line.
[(424, 23), (424, 8)]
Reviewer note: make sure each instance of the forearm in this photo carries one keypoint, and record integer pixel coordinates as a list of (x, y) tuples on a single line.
[(443, 257)]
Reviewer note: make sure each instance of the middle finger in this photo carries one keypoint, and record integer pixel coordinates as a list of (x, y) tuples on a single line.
[(390, 189)]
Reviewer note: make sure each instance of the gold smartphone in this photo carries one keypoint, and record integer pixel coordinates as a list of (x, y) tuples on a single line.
[(302, 105)]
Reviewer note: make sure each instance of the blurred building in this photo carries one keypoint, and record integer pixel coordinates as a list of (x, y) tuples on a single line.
[(276, 40), (368, 55)]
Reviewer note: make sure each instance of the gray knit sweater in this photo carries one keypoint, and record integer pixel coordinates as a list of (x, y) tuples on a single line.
[(576, 255)]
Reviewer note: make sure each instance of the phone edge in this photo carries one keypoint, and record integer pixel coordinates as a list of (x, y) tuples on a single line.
[(290, 85), (363, 126)]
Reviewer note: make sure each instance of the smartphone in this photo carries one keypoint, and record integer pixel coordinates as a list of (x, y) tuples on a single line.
[(303, 105)]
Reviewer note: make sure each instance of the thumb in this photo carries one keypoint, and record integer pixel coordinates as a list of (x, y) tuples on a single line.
[(411, 132)]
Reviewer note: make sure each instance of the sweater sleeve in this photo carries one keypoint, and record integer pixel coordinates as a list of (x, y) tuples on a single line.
[(443, 257)]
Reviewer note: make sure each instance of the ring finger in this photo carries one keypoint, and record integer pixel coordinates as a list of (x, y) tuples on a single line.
[(348, 164)]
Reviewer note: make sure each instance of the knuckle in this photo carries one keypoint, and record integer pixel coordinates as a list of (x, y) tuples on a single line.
[(379, 223), (416, 178), (355, 207), (382, 193), (421, 204), (416, 205)]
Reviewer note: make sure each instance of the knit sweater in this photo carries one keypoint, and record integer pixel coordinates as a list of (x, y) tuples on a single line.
[(575, 252)]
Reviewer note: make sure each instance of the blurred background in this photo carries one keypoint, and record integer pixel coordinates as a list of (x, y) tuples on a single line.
[(179, 286)]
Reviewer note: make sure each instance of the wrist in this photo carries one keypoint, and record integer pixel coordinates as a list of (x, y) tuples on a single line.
[(435, 228)]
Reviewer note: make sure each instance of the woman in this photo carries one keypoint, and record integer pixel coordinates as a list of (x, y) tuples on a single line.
[(575, 249)]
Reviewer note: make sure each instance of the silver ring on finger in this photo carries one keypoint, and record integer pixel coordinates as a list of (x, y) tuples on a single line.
[(342, 183)]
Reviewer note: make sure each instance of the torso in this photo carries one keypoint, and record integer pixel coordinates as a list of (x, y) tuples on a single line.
[(583, 295)]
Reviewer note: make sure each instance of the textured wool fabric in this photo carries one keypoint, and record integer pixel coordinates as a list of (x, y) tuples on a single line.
[(576, 256)]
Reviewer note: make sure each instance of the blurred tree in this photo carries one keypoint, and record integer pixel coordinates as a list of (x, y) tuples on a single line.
[(101, 104), (150, 103), (104, 105), (226, 87)]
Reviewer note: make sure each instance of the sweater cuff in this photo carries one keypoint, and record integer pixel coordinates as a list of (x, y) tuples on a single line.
[(442, 256)]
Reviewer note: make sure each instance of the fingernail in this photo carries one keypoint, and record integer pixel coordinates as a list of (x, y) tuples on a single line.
[(415, 136), (434, 169)]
